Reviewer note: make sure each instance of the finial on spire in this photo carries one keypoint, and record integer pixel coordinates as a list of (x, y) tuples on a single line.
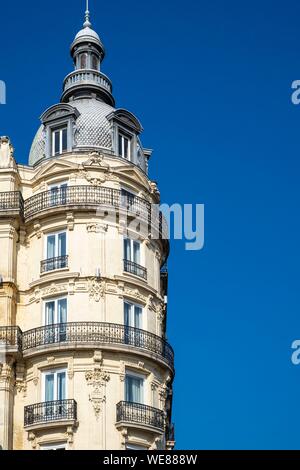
[(87, 23)]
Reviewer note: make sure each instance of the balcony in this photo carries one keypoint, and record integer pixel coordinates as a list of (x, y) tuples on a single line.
[(136, 269), (58, 411), (51, 264), (86, 335), (10, 339), (136, 414), (11, 203), (91, 79), (92, 198)]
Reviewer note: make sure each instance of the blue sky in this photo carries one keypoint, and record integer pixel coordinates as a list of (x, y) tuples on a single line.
[(211, 83)]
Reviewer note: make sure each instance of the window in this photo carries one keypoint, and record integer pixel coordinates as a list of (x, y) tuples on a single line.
[(133, 315), (94, 62), (135, 447), (56, 317), (132, 250), (56, 245), (83, 61), (55, 311), (59, 141), (124, 146), (54, 446), (134, 389), (54, 385), (127, 199), (58, 194), (55, 252)]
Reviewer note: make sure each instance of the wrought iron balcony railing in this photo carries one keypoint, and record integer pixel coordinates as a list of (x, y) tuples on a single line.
[(49, 411), (103, 333), (92, 197), (134, 268), (136, 413), (51, 264), (10, 338), (11, 201)]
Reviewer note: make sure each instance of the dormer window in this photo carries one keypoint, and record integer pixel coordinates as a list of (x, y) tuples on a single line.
[(124, 146), (59, 129), (59, 141)]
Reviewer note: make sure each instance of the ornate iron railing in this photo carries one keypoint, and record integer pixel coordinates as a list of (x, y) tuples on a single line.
[(11, 200), (48, 411), (134, 268), (10, 338), (92, 197), (103, 333), (51, 264), (128, 412)]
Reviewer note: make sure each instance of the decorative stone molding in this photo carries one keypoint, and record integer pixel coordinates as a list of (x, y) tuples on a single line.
[(54, 289), (96, 228), (21, 384), (7, 159), (70, 221), (95, 159), (96, 289), (135, 294), (154, 189), (32, 439), (124, 437), (37, 228), (96, 380)]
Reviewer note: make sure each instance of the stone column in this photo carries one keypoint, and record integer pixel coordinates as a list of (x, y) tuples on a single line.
[(6, 404)]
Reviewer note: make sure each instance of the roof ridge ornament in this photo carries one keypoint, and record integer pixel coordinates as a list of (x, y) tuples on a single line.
[(87, 23)]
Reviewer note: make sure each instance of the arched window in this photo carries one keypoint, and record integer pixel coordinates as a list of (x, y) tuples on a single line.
[(83, 61), (95, 62)]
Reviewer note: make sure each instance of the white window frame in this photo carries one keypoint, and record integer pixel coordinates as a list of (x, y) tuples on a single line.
[(60, 131), (56, 234), (136, 375), (121, 151), (54, 372), (132, 305), (132, 250), (55, 300)]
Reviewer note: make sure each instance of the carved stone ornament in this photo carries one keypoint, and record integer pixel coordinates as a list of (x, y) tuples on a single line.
[(6, 153), (96, 380), (96, 289)]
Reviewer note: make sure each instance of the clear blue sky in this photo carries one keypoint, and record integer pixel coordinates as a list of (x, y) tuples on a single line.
[(210, 81)]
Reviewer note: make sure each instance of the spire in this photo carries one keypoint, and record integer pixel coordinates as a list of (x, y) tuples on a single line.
[(87, 23)]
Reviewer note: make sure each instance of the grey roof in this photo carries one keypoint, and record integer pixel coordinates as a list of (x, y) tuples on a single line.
[(92, 129)]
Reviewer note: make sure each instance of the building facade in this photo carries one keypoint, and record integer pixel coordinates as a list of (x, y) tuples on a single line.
[(84, 360)]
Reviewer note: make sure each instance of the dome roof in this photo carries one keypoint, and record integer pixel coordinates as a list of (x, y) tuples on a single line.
[(87, 33), (92, 129)]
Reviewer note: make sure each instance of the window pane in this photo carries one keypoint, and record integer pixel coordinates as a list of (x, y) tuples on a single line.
[(126, 314), (64, 139), (50, 310), (94, 62), (136, 252), (56, 142), (62, 244), (134, 389), (62, 310), (127, 249), (137, 317), (49, 387), (61, 386), (126, 147), (50, 246), (83, 61), (120, 145)]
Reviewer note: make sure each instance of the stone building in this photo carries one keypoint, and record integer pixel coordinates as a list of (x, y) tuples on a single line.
[(84, 360)]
